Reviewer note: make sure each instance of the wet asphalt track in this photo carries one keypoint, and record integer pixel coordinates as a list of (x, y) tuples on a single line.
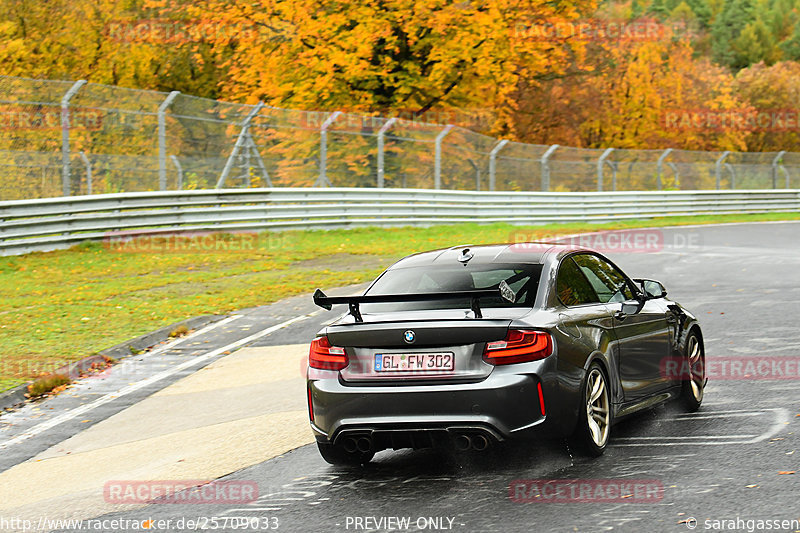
[(720, 463)]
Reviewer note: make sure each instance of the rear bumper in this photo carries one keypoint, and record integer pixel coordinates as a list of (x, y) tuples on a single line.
[(416, 415)]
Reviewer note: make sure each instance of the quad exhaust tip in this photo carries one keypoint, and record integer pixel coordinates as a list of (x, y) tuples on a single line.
[(364, 444), (480, 443), (357, 444), (464, 442), (350, 445)]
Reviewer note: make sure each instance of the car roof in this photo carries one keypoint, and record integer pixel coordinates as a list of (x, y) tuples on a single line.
[(523, 252)]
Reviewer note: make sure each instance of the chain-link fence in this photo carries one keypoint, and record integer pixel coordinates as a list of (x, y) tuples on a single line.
[(69, 138)]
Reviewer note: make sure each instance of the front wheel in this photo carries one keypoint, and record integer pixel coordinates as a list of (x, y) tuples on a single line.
[(594, 418), (693, 383)]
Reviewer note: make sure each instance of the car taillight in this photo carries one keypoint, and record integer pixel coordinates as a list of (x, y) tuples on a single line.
[(326, 357), (519, 346)]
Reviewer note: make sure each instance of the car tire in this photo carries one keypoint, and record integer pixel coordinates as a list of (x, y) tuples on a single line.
[(691, 395), (593, 432), (338, 457)]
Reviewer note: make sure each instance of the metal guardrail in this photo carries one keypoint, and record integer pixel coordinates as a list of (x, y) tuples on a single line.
[(53, 223)]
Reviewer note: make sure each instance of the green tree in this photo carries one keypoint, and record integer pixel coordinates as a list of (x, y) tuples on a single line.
[(726, 28), (755, 44)]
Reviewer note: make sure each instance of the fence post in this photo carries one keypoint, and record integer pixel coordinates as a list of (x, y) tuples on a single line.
[(65, 170), (322, 181), (613, 165), (718, 168), (477, 170), (239, 143), (660, 166), (437, 164), (179, 168), (88, 166), (162, 140), (675, 173), (546, 167), (493, 162), (388, 124), (733, 174), (775, 162), (600, 161)]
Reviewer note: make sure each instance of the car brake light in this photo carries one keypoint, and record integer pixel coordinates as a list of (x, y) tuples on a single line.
[(519, 346), (323, 356)]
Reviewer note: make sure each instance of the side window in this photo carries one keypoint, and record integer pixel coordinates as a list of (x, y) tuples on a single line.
[(571, 285), (607, 281)]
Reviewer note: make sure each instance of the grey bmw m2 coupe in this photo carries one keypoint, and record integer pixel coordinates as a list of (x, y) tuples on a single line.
[(473, 345)]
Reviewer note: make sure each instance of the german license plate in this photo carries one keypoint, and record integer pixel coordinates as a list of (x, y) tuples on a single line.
[(414, 362)]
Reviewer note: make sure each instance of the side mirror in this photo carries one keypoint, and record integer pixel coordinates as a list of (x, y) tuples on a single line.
[(629, 307), (651, 288)]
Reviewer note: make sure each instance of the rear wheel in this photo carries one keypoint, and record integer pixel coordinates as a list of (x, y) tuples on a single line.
[(337, 456), (594, 418), (692, 386)]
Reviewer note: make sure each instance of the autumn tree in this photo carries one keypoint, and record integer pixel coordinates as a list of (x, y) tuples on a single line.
[(110, 42), (773, 91), (384, 56), (625, 95)]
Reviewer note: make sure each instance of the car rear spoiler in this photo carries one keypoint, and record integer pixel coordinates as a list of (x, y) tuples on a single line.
[(327, 302)]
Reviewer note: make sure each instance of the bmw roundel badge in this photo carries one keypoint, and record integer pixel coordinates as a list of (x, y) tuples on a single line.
[(409, 336)]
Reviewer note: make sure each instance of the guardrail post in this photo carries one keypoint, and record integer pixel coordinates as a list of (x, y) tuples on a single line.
[(179, 168), (718, 168), (600, 161), (388, 124), (660, 166), (65, 170), (162, 140), (322, 181), (88, 166), (437, 164), (546, 167), (240, 140), (775, 166), (493, 162)]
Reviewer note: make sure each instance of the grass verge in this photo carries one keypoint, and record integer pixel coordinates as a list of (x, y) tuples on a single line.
[(58, 307)]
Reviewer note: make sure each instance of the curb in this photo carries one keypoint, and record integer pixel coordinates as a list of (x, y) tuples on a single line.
[(16, 396), (13, 397)]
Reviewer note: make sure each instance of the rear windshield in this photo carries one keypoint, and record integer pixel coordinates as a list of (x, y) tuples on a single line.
[(523, 279)]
